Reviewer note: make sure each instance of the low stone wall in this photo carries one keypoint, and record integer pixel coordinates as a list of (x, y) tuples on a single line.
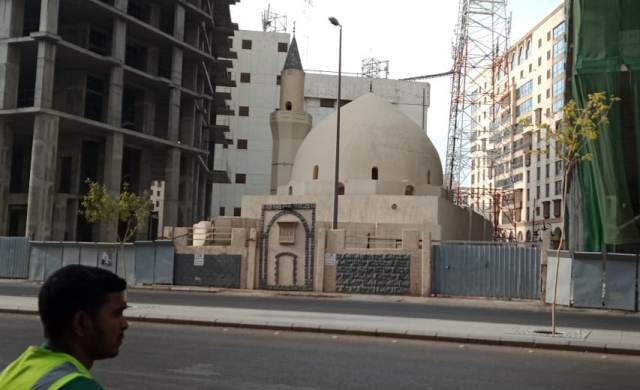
[(373, 273)]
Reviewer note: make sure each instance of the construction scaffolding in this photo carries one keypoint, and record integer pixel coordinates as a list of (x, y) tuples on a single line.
[(481, 44), (374, 68)]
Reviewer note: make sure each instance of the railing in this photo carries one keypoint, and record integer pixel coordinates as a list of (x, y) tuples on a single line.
[(204, 237), (370, 242)]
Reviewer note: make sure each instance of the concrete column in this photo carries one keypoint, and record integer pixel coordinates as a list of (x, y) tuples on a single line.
[(11, 18), (122, 5), (318, 277), (427, 264), (335, 244), (42, 176), (149, 112), (49, 10), (45, 70), (9, 75), (187, 179), (116, 83), (252, 260), (411, 244), (178, 22), (6, 146), (112, 179), (172, 183)]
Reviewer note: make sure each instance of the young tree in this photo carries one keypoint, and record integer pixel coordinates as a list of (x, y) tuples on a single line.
[(126, 207), (579, 127)]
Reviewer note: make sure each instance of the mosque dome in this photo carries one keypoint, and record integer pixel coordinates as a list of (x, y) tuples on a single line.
[(382, 151)]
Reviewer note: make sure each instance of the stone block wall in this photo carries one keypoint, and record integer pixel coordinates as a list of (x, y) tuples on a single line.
[(373, 273)]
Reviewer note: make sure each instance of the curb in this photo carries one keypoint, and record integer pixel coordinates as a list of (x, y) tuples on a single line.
[(506, 341)]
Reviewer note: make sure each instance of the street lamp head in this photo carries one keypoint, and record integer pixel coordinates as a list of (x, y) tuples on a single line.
[(334, 21)]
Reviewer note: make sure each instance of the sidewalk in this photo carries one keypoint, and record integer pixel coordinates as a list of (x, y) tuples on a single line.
[(571, 339)]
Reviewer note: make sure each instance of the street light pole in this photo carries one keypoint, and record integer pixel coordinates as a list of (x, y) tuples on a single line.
[(334, 225)]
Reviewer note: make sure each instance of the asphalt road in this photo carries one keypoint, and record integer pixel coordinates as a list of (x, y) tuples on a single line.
[(156, 356), (537, 317)]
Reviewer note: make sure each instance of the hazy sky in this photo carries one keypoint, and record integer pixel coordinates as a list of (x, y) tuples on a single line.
[(414, 35)]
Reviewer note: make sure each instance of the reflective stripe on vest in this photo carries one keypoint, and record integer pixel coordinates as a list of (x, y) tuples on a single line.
[(54, 375)]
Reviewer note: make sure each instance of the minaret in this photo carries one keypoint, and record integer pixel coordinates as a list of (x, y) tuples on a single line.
[(290, 123)]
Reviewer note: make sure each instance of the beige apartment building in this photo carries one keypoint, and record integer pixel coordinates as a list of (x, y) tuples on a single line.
[(516, 177)]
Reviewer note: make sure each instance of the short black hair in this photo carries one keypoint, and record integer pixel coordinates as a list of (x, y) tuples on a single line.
[(72, 289)]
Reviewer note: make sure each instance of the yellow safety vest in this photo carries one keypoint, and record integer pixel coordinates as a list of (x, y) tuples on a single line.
[(41, 369)]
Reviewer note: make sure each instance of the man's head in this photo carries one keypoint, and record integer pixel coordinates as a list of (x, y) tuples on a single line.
[(82, 308)]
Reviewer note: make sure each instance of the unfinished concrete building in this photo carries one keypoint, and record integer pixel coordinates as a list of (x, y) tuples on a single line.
[(116, 91)]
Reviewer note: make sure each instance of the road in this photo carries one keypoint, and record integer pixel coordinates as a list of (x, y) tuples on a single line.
[(156, 356), (534, 315)]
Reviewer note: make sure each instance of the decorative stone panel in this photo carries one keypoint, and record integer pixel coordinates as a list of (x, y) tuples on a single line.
[(373, 273), (215, 271)]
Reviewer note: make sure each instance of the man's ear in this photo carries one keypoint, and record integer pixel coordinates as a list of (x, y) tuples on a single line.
[(81, 324)]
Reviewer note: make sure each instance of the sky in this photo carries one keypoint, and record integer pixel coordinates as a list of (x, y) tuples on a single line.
[(415, 36)]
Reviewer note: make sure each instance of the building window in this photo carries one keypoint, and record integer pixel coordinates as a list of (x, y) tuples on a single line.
[(287, 232), (558, 68), (546, 190), (221, 211), (328, 103), (528, 175), (540, 42), (528, 53), (559, 48), (548, 93), (524, 108), (547, 209), (290, 190), (558, 166), (374, 173), (558, 104), (409, 190), (340, 189), (538, 192), (513, 61), (315, 172), (559, 187), (283, 47), (243, 111), (246, 44), (548, 54), (245, 77), (557, 208), (537, 211), (540, 100), (242, 144), (558, 88), (241, 178), (278, 79), (524, 90), (558, 31), (548, 35), (539, 80), (539, 61), (538, 173), (547, 172), (429, 177), (237, 211), (288, 106), (520, 56)]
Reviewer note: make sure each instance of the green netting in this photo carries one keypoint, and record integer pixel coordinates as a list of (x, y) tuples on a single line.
[(606, 37)]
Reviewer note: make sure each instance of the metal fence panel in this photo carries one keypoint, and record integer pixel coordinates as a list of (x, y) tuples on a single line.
[(14, 257), (71, 253), (54, 259), (587, 275), (145, 262), (486, 270), (127, 263), (165, 253), (620, 277), (564, 290), (88, 255), (37, 261)]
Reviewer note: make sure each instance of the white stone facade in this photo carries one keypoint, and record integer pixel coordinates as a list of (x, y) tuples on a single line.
[(506, 155)]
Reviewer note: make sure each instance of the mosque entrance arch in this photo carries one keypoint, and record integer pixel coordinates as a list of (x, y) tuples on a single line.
[(287, 239)]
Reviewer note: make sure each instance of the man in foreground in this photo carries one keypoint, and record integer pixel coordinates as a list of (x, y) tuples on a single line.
[(81, 309)]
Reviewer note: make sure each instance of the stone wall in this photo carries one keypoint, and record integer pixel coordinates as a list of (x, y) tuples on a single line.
[(207, 270), (373, 273)]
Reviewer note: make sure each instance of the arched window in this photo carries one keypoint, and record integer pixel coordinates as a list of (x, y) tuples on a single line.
[(521, 56), (340, 189), (315, 172), (428, 177), (528, 235), (290, 190), (409, 190), (528, 54), (519, 236), (513, 61), (374, 173), (288, 106)]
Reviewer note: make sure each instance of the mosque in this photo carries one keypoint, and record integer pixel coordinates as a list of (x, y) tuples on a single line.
[(390, 174)]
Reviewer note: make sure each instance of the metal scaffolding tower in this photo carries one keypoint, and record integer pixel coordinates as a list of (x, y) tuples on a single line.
[(374, 68), (273, 22), (481, 44)]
